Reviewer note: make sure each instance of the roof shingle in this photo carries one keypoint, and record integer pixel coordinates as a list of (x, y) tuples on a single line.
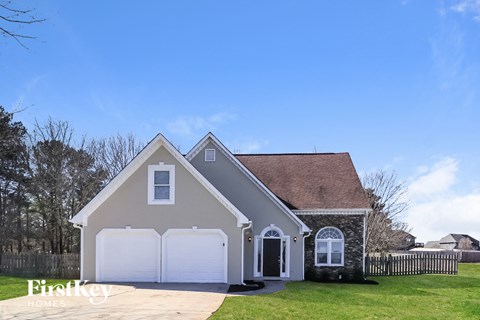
[(309, 181)]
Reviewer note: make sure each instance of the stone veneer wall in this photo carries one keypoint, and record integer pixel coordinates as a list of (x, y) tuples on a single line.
[(352, 229)]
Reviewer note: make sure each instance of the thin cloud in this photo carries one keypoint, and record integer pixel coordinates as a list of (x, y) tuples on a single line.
[(435, 180), (109, 106), (456, 71), (193, 126), (248, 146), (27, 90), (437, 209), (468, 7), (449, 58)]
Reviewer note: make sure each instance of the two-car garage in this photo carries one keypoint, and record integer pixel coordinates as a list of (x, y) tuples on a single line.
[(179, 255)]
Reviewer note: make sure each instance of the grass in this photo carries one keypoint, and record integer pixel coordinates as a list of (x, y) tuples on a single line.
[(12, 287), (400, 297)]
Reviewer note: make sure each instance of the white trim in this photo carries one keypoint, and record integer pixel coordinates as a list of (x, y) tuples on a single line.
[(274, 228), (282, 238), (202, 143), (364, 239), (329, 249), (99, 248), (242, 261), (151, 183), (137, 162), (331, 211), (189, 231), (214, 156)]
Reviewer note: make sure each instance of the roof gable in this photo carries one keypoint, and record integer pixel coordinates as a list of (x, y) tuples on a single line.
[(159, 141), (210, 138), (309, 181), (456, 238)]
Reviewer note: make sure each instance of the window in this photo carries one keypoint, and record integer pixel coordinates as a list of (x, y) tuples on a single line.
[(329, 244), (161, 184), (272, 234), (209, 155)]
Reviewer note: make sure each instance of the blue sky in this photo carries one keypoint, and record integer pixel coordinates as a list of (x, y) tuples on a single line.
[(395, 83)]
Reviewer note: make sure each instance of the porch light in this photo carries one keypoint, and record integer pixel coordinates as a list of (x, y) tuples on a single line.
[(249, 239), (294, 239)]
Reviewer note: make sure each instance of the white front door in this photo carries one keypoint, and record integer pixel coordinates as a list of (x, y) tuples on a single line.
[(194, 255)]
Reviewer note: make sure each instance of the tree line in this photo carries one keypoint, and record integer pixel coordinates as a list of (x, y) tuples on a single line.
[(46, 176)]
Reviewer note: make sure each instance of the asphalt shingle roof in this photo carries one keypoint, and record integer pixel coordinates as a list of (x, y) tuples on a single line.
[(310, 180)]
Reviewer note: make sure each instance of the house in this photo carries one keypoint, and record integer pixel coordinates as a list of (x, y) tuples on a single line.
[(212, 216), (454, 241), (406, 240), (432, 245)]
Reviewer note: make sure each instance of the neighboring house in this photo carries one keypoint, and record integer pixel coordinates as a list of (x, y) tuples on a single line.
[(212, 216), (406, 240), (458, 241), (432, 245), (454, 241)]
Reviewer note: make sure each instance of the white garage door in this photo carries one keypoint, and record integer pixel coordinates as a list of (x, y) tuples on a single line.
[(128, 255), (194, 256)]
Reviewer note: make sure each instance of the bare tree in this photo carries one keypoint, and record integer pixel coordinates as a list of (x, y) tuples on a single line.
[(388, 200), (13, 20), (113, 154), (64, 179)]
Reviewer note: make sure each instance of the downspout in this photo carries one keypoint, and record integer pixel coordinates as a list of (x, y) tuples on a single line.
[(303, 252), (81, 249), (364, 238), (249, 225)]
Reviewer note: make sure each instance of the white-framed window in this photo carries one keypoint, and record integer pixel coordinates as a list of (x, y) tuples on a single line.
[(161, 184), (329, 247), (209, 155)]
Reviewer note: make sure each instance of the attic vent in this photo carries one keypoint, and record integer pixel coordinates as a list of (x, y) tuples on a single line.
[(209, 155)]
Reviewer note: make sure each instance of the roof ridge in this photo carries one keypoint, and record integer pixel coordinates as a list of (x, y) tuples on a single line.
[(290, 154)]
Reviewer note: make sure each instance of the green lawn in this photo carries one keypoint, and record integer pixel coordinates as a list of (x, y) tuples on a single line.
[(12, 287), (400, 297)]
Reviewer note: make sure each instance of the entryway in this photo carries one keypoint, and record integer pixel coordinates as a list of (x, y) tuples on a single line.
[(271, 257), (272, 253)]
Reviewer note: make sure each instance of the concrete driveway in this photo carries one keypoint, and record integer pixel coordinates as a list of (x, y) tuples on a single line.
[(125, 301)]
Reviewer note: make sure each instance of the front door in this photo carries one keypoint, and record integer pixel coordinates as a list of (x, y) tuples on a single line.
[(271, 257)]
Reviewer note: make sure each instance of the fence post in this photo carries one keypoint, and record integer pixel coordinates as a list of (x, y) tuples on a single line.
[(367, 265)]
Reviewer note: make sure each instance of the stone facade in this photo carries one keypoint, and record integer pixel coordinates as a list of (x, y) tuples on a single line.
[(352, 229)]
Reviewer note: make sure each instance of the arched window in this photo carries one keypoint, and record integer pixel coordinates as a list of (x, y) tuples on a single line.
[(329, 245), (271, 234)]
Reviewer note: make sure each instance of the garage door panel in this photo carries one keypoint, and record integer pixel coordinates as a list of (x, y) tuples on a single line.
[(194, 256), (131, 255)]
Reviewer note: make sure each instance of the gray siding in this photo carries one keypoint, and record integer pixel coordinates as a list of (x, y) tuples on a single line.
[(254, 204), (194, 206)]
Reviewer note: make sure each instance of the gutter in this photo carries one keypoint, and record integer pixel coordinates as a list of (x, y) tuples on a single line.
[(249, 225), (81, 249), (365, 217)]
